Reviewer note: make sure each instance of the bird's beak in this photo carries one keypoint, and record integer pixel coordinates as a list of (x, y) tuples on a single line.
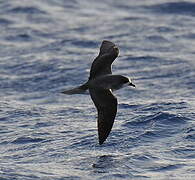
[(131, 84)]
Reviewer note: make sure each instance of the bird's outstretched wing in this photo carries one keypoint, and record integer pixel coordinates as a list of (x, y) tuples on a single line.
[(100, 66), (106, 104), (102, 63)]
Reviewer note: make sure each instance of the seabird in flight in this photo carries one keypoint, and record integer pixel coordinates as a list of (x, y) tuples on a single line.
[(101, 84)]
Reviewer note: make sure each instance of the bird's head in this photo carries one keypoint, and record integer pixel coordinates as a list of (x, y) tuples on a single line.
[(127, 82), (118, 82)]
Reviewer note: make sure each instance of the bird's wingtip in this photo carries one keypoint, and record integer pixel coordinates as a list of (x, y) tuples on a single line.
[(101, 141)]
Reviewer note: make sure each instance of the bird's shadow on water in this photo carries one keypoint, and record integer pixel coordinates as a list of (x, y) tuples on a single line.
[(112, 167), (103, 163)]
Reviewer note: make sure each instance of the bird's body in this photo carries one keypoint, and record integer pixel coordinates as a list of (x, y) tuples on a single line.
[(113, 82), (100, 84)]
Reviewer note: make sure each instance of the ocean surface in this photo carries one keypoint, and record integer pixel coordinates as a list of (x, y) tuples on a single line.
[(47, 46)]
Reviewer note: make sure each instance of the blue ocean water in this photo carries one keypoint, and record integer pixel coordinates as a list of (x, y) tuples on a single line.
[(48, 45)]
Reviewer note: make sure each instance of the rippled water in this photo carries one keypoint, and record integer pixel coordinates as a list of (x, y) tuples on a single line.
[(47, 46)]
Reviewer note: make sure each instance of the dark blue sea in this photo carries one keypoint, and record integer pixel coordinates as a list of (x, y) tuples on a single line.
[(47, 46)]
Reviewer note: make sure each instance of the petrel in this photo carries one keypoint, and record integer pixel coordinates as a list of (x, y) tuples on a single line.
[(101, 84)]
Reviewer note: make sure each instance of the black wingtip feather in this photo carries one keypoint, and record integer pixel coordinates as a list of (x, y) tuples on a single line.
[(101, 142)]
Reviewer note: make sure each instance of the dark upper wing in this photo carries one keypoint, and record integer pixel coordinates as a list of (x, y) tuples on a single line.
[(106, 104), (102, 63), (105, 46)]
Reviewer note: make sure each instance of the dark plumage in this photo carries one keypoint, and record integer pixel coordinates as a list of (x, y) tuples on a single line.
[(100, 84)]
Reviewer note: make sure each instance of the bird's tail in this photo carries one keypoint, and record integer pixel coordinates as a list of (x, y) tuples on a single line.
[(77, 90)]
